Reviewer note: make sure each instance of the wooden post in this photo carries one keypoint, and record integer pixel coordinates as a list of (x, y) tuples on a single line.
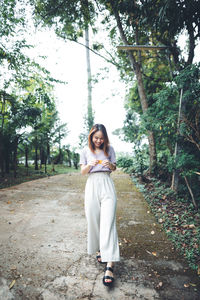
[(174, 185)]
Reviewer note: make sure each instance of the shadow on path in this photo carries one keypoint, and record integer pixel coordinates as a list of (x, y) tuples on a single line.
[(43, 246)]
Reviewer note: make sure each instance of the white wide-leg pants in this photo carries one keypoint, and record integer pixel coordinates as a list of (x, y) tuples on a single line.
[(100, 210)]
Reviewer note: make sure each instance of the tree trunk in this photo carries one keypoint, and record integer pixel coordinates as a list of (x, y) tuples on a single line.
[(40, 157), (36, 154), (26, 156), (15, 155), (143, 99), (90, 117), (7, 156), (69, 157), (48, 153), (45, 164), (1, 155), (175, 175)]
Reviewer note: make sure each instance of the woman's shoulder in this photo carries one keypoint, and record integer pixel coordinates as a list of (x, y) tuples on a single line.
[(110, 148), (86, 150)]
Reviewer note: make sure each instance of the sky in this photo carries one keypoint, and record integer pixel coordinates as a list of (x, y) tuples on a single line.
[(67, 61)]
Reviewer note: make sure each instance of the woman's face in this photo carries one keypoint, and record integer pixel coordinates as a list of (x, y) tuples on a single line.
[(98, 139)]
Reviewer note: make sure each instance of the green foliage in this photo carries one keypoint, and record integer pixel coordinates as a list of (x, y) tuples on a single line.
[(178, 217), (69, 18), (161, 117), (10, 17), (75, 158), (124, 162), (137, 163)]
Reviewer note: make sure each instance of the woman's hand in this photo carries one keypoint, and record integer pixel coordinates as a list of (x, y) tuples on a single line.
[(86, 168), (108, 164), (93, 162)]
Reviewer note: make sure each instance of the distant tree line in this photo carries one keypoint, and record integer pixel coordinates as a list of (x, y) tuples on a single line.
[(30, 127)]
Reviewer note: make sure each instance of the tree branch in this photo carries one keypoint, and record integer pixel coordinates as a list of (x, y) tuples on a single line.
[(191, 193), (100, 55), (123, 37)]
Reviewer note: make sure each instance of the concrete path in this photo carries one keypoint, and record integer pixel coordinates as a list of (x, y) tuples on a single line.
[(43, 246)]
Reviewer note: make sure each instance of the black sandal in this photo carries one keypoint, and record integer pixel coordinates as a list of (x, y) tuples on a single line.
[(108, 277), (99, 261)]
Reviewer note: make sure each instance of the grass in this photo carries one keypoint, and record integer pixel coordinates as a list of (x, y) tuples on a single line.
[(28, 174)]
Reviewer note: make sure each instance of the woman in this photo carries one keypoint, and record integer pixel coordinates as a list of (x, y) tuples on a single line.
[(98, 160)]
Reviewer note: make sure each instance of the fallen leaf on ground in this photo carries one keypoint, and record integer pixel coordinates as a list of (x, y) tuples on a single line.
[(193, 284), (152, 253), (159, 284), (198, 270), (188, 226), (186, 285), (12, 283), (191, 226), (152, 232), (8, 202)]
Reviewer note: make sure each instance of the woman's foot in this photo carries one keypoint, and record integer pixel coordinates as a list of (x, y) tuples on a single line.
[(98, 257), (108, 278)]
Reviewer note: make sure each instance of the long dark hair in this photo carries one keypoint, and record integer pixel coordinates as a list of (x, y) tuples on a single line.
[(105, 145)]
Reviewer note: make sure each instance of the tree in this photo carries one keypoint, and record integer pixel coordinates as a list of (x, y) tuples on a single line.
[(134, 22), (86, 13), (74, 19)]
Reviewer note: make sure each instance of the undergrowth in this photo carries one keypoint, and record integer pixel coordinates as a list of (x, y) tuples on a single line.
[(178, 217)]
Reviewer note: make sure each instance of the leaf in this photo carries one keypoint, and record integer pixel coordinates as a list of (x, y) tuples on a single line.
[(193, 284), (198, 270), (159, 285), (186, 285), (152, 232), (191, 226), (12, 284), (154, 253)]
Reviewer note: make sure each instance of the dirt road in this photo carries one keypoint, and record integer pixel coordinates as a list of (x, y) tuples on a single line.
[(43, 246)]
